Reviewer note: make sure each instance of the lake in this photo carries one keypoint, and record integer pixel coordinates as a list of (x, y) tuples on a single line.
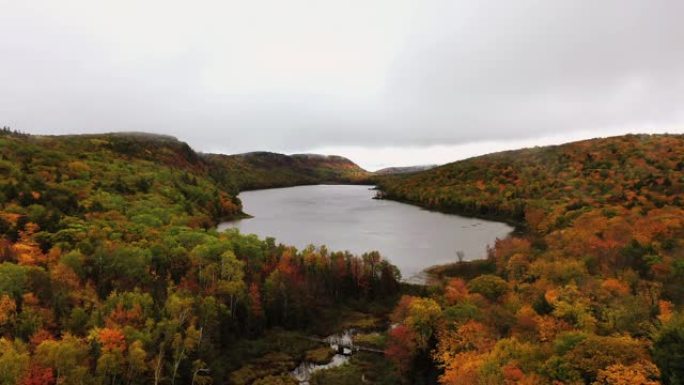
[(345, 217)]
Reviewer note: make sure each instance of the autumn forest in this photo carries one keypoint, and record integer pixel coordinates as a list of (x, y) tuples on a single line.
[(112, 270)]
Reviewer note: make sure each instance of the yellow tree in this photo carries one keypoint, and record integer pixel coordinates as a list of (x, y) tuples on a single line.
[(639, 373), (14, 361)]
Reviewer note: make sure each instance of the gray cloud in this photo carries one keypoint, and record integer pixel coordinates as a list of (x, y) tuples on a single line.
[(290, 76)]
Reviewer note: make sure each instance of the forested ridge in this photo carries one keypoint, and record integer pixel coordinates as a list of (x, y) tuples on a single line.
[(259, 170), (589, 292), (111, 271)]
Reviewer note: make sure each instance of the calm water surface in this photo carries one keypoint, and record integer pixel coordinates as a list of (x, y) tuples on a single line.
[(346, 217)]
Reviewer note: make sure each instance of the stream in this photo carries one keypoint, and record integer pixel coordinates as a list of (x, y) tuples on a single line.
[(343, 342)]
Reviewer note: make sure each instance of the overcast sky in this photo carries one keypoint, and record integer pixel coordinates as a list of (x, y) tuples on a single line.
[(384, 82)]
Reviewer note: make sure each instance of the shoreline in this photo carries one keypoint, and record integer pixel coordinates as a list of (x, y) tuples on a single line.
[(430, 273)]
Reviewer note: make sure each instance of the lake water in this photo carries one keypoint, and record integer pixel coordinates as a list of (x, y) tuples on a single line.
[(345, 217)]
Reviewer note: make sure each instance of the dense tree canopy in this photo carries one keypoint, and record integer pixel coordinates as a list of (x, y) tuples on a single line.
[(111, 272), (589, 290)]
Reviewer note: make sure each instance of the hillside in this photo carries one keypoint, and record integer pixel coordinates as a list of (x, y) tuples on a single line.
[(258, 170), (403, 170), (111, 271), (133, 173), (590, 292), (629, 170)]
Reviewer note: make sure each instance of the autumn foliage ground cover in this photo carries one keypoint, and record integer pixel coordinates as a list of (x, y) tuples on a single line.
[(590, 292)]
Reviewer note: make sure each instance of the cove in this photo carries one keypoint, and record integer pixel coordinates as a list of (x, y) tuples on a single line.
[(346, 217)]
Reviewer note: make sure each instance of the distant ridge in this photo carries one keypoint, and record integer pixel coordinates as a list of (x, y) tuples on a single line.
[(234, 173), (404, 170), (262, 169)]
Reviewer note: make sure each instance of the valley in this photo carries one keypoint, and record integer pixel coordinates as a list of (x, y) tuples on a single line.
[(112, 270)]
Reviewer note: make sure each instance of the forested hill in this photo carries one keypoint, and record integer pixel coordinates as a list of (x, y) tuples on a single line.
[(590, 292), (630, 171), (257, 170), (403, 170), (233, 173), (48, 178), (111, 271)]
